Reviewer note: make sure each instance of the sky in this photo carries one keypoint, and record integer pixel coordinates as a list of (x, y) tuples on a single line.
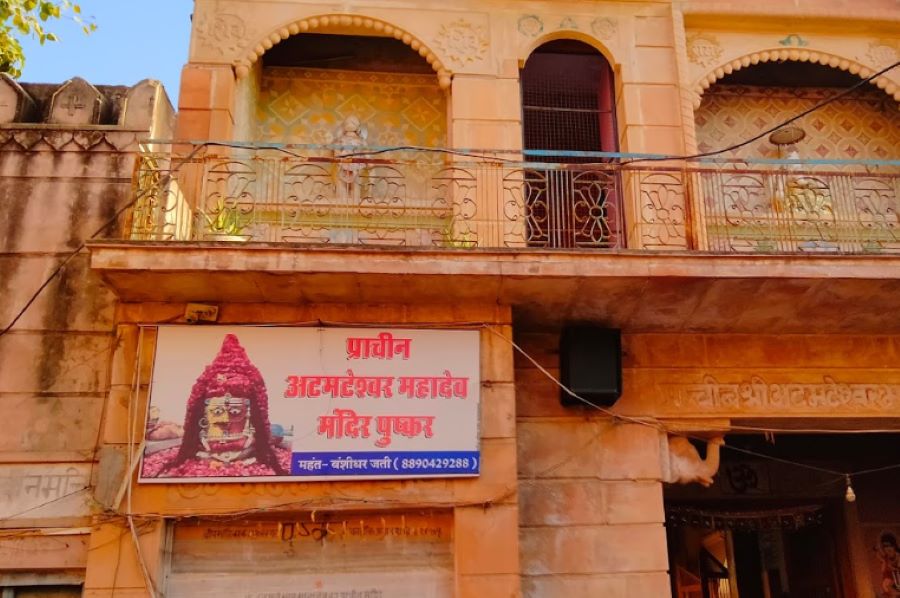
[(134, 40)]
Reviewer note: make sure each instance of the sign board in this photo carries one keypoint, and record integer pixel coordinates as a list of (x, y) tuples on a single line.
[(245, 404)]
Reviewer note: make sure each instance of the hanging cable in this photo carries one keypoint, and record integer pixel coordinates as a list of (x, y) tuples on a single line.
[(656, 424), (770, 130), (164, 181)]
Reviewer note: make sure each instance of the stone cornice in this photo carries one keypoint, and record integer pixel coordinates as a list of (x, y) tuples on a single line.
[(30, 137)]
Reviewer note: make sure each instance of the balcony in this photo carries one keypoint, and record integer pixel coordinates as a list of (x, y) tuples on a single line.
[(444, 199), (718, 247)]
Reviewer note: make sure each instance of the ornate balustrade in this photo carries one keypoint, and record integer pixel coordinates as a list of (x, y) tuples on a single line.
[(442, 199), (789, 209)]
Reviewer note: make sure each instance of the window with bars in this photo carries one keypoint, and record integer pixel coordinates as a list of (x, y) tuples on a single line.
[(568, 106)]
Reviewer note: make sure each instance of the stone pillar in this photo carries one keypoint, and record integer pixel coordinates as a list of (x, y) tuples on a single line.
[(486, 113), (860, 556), (487, 535), (651, 120), (114, 566), (206, 103), (591, 510)]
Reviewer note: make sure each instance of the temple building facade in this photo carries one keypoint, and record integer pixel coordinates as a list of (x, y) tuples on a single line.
[(471, 299)]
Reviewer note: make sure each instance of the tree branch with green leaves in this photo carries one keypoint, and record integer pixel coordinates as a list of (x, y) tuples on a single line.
[(20, 18)]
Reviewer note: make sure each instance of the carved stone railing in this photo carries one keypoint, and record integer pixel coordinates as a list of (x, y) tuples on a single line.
[(419, 200), (429, 198), (793, 209)]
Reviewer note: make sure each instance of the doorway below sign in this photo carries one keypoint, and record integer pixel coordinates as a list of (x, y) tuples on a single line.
[(771, 529)]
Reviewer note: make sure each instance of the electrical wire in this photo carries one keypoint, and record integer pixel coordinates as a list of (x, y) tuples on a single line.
[(138, 197), (205, 144), (770, 130), (656, 424), (645, 421)]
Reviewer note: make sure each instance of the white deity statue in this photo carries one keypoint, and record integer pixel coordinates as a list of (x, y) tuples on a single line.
[(350, 135)]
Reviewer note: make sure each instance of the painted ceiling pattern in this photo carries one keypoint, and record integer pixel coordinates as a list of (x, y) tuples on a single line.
[(299, 105), (865, 125)]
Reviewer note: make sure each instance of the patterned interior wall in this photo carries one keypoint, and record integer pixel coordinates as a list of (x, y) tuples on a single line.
[(865, 125), (299, 105)]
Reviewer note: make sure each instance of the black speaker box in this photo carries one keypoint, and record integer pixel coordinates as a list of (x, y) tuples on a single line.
[(590, 363)]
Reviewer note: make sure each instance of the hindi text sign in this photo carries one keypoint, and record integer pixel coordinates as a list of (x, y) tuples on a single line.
[(290, 404)]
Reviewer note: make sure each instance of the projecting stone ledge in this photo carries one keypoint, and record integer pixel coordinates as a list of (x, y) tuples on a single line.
[(638, 291)]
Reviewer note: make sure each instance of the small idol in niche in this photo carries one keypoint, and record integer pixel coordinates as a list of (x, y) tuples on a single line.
[(889, 557), (226, 425)]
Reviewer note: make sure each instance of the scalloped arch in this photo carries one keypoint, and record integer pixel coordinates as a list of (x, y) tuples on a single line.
[(796, 55), (345, 21)]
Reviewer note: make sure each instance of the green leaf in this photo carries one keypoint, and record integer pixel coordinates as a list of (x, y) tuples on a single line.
[(33, 18)]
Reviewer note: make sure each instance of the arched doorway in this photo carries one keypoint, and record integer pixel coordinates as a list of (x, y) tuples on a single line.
[(568, 108)]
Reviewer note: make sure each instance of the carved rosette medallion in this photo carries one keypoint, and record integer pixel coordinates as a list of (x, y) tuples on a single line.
[(223, 34), (703, 49), (530, 25), (883, 52), (568, 23), (462, 42), (604, 28)]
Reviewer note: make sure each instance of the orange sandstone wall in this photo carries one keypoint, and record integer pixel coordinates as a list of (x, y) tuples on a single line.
[(485, 509), (591, 506), (591, 501)]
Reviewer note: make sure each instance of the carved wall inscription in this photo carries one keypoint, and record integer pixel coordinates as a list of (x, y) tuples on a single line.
[(530, 25), (568, 23), (47, 491), (756, 395), (604, 28), (883, 52)]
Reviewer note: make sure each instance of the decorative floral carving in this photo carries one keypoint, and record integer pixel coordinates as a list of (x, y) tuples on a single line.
[(462, 42), (882, 52), (223, 33), (793, 39), (530, 25), (568, 23), (703, 49), (604, 27)]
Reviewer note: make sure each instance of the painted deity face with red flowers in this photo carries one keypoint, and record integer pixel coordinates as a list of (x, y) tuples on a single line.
[(226, 424), (226, 433)]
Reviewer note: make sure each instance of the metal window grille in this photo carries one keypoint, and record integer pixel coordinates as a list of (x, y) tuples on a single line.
[(568, 105)]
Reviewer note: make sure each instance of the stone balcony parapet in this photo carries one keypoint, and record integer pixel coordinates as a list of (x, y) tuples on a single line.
[(537, 199)]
